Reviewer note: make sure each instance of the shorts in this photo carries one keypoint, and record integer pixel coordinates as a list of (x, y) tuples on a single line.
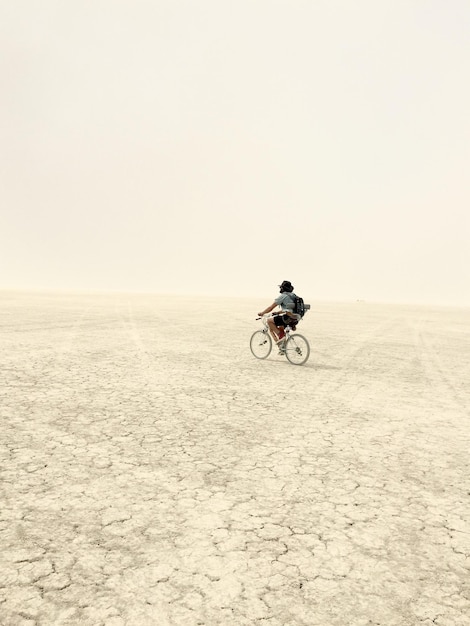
[(284, 320)]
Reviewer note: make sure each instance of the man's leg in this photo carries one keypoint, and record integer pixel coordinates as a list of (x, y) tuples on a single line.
[(273, 329)]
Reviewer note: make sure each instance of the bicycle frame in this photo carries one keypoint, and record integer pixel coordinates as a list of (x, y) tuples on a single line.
[(264, 319)]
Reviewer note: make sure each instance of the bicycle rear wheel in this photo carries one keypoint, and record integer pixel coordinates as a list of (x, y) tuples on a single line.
[(297, 349), (260, 344)]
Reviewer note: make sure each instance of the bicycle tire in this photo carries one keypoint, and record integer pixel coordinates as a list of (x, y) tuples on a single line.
[(297, 349), (261, 344)]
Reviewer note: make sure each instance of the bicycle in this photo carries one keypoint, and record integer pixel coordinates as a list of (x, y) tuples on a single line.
[(293, 346)]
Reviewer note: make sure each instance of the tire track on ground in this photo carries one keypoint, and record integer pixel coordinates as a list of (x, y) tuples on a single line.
[(434, 368), (334, 378)]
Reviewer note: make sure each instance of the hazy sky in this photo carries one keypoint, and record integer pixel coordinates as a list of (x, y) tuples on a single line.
[(216, 146)]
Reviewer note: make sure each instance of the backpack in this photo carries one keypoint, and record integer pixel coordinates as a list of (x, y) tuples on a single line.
[(299, 306)]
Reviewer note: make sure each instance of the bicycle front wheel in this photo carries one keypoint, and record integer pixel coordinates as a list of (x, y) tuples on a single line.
[(260, 344), (297, 349)]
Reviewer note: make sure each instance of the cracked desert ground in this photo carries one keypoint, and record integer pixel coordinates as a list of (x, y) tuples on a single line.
[(155, 473)]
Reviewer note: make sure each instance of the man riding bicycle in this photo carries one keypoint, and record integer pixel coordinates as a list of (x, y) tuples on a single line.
[(284, 317)]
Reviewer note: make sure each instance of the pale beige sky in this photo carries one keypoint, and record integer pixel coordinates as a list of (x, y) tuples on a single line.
[(220, 147)]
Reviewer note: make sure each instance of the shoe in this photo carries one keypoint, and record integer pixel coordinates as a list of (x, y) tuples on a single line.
[(282, 351)]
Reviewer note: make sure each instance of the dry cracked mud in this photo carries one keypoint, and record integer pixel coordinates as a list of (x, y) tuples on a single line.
[(154, 472)]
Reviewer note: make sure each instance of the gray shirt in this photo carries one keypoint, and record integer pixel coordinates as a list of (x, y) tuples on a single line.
[(285, 301)]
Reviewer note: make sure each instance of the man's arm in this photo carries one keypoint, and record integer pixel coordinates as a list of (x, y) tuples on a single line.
[(269, 309)]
